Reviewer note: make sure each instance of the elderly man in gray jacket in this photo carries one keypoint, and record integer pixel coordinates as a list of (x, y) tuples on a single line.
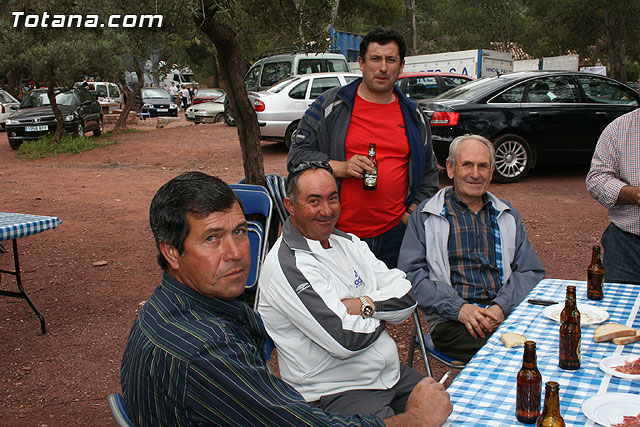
[(467, 254)]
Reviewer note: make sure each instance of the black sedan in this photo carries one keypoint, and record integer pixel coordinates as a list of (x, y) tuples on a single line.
[(533, 117), (426, 85), (155, 101), (35, 118)]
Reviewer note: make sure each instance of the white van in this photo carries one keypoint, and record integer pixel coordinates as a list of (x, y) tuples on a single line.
[(272, 68), (107, 93)]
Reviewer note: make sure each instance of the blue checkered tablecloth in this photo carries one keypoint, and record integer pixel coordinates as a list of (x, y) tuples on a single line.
[(484, 393), (15, 225)]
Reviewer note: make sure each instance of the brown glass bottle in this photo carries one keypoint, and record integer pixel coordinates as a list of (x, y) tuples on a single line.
[(370, 181), (570, 332), (529, 388), (550, 416), (595, 275)]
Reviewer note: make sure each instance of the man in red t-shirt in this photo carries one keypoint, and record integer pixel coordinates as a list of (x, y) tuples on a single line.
[(338, 128)]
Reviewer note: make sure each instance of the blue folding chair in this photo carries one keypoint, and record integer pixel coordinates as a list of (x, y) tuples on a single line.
[(256, 200), (277, 187), (117, 410), (428, 348)]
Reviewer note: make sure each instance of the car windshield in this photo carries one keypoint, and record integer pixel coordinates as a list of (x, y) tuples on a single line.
[(474, 89), (6, 97), (155, 94), (210, 93), (283, 84), (39, 98)]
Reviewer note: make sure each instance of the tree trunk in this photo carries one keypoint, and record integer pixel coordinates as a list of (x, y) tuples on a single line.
[(215, 72), (610, 44), (130, 97), (56, 111), (414, 27), (228, 50)]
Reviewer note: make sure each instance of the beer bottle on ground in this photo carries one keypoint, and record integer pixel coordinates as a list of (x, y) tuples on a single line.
[(570, 332), (529, 388), (595, 275), (371, 179), (550, 416)]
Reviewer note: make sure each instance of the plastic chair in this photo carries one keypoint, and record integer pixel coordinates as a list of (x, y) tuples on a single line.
[(256, 236), (428, 348), (117, 410), (145, 116), (277, 187), (256, 200)]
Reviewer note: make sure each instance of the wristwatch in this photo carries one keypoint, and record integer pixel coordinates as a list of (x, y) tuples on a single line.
[(367, 309)]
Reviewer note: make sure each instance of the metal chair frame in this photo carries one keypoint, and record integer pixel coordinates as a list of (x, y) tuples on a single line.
[(278, 190), (116, 405), (428, 348)]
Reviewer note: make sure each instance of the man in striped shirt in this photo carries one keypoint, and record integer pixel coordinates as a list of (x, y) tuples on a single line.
[(614, 181), (196, 351), (467, 254)]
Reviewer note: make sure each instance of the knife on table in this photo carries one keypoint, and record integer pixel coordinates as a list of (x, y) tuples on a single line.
[(541, 302)]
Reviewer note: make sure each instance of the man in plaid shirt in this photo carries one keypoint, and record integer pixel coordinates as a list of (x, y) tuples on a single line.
[(614, 181), (467, 254)]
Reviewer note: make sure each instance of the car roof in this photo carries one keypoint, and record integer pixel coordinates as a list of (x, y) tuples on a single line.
[(432, 73)]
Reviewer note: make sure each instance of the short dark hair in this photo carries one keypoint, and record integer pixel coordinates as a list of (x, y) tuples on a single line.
[(296, 172), (194, 193), (382, 36)]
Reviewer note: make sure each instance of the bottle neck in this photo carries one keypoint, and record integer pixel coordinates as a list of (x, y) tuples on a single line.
[(529, 360), (595, 256), (551, 400)]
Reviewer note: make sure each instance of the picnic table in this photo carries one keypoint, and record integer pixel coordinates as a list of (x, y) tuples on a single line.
[(12, 227), (484, 393)]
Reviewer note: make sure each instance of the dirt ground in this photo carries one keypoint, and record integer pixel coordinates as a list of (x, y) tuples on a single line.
[(102, 196)]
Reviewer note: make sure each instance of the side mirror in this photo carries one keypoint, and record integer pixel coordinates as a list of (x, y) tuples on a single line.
[(14, 107), (85, 103)]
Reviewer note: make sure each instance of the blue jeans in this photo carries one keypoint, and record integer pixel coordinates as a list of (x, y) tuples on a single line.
[(621, 257), (387, 245)]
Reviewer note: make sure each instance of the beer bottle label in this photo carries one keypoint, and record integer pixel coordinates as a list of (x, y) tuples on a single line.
[(370, 179)]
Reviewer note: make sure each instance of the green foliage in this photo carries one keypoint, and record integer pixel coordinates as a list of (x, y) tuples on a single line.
[(42, 147)]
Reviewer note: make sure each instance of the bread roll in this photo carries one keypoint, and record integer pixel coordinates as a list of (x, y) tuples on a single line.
[(612, 330), (511, 339)]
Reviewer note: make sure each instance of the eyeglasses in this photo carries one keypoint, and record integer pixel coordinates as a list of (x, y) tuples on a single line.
[(317, 164)]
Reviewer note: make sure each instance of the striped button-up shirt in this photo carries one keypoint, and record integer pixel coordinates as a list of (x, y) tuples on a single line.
[(615, 164), (475, 254), (193, 360)]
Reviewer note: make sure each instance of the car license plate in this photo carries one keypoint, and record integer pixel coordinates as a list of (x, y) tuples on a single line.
[(36, 128), (191, 116), (162, 110)]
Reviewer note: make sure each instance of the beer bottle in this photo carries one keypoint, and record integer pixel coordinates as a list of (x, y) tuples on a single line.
[(550, 416), (570, 333), (371, 179), (529, 388), (595, 275)]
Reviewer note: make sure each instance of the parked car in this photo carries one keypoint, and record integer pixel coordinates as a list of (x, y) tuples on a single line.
[(157, 101), (207, 95), (228, 118), (206, 112), (35, 118), (278, 64), (280, 108), (533, 117), (8, 105), (426, 85)]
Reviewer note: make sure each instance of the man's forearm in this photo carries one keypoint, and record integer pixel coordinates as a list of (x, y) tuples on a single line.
[(629, 196)]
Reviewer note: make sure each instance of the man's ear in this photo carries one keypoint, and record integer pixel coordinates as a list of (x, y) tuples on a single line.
[(171, 254), (288, 205), (450, 169)]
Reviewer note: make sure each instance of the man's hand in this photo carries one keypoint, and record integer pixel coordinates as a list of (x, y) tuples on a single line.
[(352, 168), (477, 319), (428, 406), (354, 305), (629, 196), (497, 310)]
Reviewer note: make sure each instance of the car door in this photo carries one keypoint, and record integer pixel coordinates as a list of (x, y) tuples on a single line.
[(604, 99), (554, 119), (89, 109), (320, 85)]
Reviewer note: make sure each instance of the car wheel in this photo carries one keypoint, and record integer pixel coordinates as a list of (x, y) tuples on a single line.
[(80, 130), (514, 158), (3, 128), (219, 118), (288, 136), (14, 143), (229, 120), (100, 130)]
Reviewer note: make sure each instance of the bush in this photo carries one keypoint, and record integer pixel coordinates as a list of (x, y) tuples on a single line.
[(42, 147)]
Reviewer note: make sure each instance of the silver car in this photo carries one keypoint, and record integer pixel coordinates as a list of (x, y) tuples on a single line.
[(206, 112), (280, 108), (8, 106)]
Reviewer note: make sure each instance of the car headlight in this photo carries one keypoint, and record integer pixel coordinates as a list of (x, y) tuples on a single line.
[(12, 122), (172, 105), (147, 106), (69, 117)]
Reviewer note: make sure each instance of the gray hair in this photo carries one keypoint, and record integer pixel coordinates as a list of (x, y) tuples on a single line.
[(455, 144)]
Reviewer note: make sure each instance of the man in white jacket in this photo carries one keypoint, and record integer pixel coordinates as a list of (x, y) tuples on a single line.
[(325, 300)]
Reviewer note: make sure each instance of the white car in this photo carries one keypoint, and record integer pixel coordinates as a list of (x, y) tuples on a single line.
[(206, 112), (8, 105), (280, 108)]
